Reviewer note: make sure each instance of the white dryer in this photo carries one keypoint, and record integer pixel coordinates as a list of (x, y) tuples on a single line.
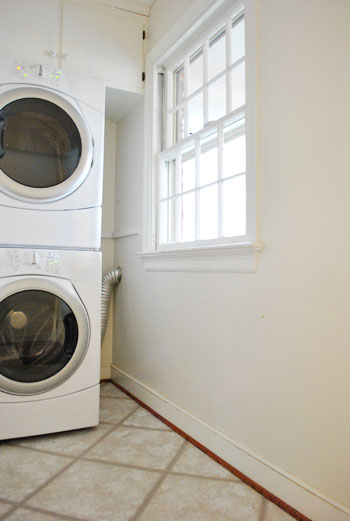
[(49, 340), (51, 157)]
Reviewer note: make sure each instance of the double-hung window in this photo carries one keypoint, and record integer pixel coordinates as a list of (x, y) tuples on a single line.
[(204, 182)]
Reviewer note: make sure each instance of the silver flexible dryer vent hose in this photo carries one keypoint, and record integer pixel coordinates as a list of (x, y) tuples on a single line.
[(109, 279)]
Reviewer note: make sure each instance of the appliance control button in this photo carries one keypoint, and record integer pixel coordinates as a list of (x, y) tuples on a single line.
[(35, 258)]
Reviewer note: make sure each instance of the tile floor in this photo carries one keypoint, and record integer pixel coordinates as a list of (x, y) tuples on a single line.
[(131, 467)]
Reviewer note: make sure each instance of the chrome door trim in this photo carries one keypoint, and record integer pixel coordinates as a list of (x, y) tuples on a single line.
[(51, 193), (69, 295)]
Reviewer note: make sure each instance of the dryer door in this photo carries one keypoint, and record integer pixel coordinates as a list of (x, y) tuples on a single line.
[(46, 147), (44, 334)]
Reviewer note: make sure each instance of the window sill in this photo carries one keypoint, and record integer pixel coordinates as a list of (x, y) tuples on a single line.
[(232, 258)]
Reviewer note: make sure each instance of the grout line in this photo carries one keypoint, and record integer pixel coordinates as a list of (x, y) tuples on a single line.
[(115, 397), (263, 509), (73, 460), (145, 428), (245, 479), (121, 464), (106, 423), (47, 512), (31, 494), (125, 417), (54, 453), (210, 478), (11, 509), (156, 486)]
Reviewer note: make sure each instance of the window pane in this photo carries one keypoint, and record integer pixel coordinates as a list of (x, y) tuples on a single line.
[(234, 160), (195, 78), (238, 86), (195, 114), (188, 171), (180, 85), (171, 177), (172, 206), (164, 180), (163, 222), (208, 160), (234, 206), (217, 99), (208, 208), (217, 56), (187, 229), (237, 41), (180, 124)]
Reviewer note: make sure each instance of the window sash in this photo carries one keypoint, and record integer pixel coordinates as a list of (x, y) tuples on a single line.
[(189, 145), (174, 158), (173, 105)]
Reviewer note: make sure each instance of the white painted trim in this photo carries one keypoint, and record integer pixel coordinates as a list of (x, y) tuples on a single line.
[(120, 234), (295, 492), (251, 119), (126, 87), (125, 233), (234, 258), (125, 5), (106, 7)]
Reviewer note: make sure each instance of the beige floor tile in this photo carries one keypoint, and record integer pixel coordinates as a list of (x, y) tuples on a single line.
[(23, 470), (194, 461), (114, 410), (4, 507), (111, 391), (100, 492), (140, 447), (22, 514), (274, 513), (198, 499), (71, 443), (143, 418)]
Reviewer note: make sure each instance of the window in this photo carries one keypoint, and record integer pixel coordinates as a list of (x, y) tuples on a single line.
[(203, 192), (202, 169)]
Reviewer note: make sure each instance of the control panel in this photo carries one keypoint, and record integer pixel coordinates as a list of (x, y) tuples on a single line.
[(34, 261), (38, 71)]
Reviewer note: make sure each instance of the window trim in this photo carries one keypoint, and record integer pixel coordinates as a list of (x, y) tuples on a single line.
[(239, 255)]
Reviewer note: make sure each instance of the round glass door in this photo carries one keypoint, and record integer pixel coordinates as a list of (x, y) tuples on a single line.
[(40, 340), (40, 144), (45, 145)]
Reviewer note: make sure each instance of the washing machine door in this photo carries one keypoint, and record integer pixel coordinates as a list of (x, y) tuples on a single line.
[(46, 148), (44, 335)]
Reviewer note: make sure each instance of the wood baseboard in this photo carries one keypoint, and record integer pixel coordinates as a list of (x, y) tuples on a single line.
[(250, 482)]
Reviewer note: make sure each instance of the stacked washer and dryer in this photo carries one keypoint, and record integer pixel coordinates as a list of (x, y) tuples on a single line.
[(51, 173)]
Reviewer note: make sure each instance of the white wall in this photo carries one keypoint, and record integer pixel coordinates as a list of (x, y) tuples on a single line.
[(262, 359)]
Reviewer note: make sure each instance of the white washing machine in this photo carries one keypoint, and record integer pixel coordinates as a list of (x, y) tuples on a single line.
[(51, 157), (49, 340)]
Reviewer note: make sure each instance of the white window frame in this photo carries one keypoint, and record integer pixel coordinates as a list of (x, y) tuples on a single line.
[(237, 254)]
